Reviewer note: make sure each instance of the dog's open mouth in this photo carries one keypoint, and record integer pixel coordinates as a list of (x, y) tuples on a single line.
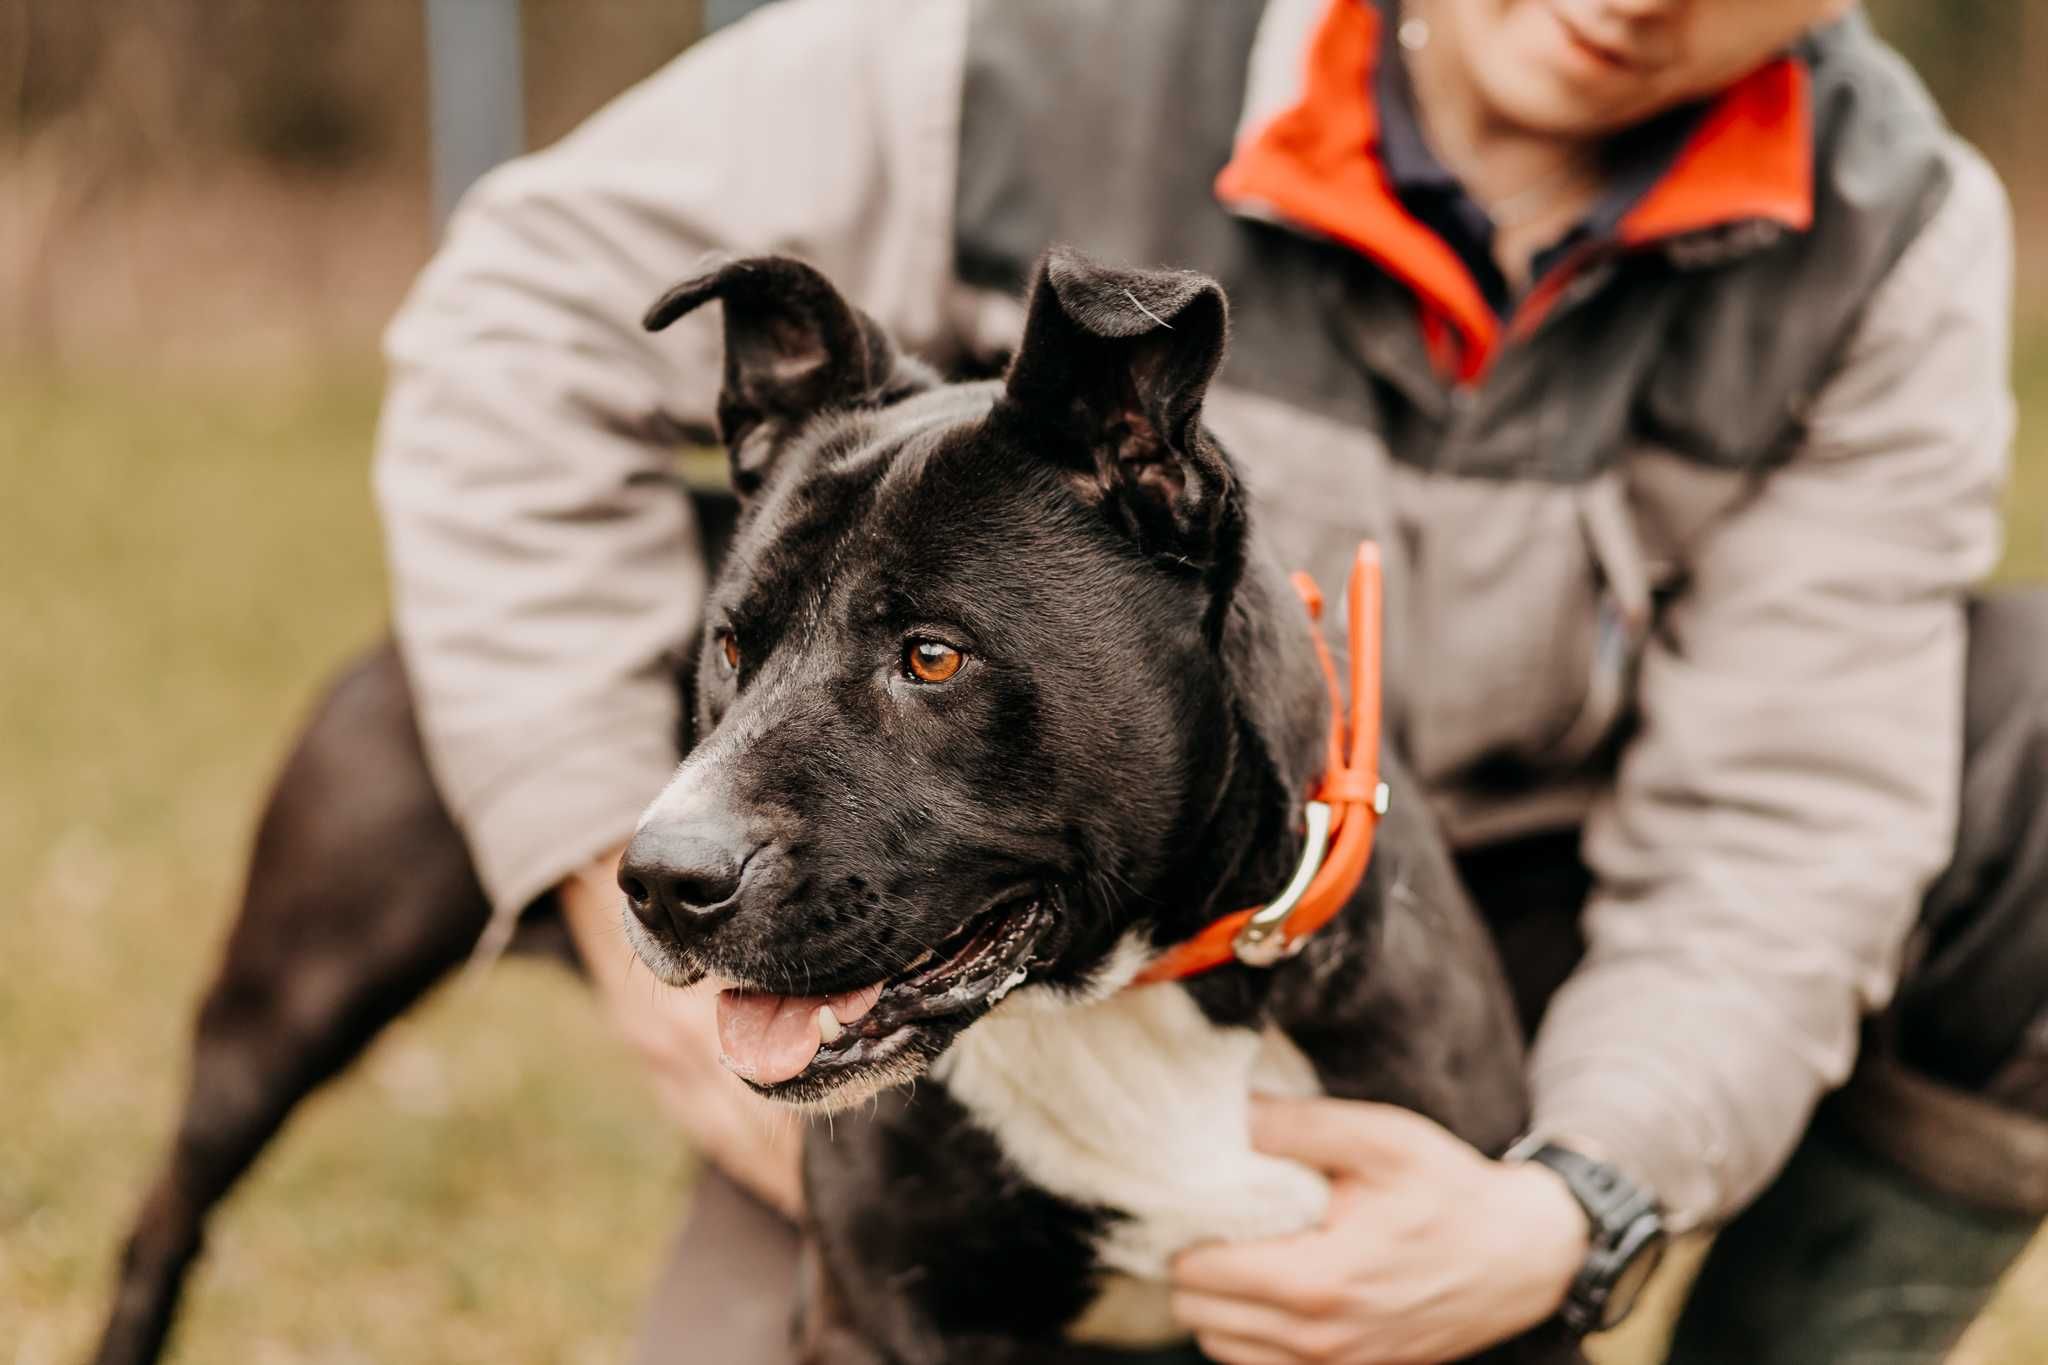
[(784, 1044)]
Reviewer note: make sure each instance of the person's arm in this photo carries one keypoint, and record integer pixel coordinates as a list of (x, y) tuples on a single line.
[(1792, 788), (543, 566), (1791, 792)]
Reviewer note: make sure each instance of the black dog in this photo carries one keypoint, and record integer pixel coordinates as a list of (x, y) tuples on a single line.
[(999, 696)]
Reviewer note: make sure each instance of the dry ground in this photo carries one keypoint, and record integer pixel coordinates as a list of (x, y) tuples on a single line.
[(180, 563)]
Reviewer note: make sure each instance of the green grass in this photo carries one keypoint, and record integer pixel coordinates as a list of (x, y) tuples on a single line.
[(180, 565), (2026, 544)]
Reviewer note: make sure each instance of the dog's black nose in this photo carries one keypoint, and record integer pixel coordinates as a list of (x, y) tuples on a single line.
[(678, 883)]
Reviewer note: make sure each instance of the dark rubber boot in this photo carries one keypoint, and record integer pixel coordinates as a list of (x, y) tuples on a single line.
[(1846, 1258)]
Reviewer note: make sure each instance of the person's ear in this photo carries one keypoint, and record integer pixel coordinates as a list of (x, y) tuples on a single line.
[(1112, 371), (793, 348)]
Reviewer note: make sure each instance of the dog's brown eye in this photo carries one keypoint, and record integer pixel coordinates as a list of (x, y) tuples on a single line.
[(930, 661), (729, 650)]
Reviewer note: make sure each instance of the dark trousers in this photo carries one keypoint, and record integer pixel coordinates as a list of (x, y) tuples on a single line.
[(1914, 1189)]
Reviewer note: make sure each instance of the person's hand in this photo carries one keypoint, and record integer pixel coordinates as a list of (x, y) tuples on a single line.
[(675, 1033), (1430, 1251)]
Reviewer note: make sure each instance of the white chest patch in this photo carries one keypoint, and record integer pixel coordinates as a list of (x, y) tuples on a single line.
[(1138, 1103)]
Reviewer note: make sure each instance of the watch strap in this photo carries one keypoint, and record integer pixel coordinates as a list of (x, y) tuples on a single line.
[(1624, 1224)]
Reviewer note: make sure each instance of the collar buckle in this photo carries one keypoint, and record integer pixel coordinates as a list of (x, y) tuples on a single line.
[(1263, 940)]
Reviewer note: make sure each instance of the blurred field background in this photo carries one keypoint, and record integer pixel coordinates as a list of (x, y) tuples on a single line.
[(207, 209)]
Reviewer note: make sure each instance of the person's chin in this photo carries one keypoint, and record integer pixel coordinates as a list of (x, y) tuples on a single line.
[(1534, 76), (1542, 99)]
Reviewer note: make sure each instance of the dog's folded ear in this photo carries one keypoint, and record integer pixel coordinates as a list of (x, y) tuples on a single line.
[(794, 347), (1114, 365)]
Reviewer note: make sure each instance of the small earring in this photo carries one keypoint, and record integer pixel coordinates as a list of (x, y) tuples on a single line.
[(1413, 34)]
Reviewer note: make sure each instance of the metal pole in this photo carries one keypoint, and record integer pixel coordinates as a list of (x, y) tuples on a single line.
[(476, 105), (719, 13)]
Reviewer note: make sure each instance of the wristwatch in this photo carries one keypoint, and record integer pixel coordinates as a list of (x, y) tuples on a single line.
[(1627, 1234)]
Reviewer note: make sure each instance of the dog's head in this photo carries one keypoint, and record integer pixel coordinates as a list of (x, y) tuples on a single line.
[(975, 673)]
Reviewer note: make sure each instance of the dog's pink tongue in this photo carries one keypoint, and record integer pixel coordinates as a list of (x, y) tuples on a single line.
[(770, 1038)]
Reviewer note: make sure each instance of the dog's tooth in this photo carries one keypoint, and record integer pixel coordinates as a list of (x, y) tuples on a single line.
[(926, 956), (829, 1027)]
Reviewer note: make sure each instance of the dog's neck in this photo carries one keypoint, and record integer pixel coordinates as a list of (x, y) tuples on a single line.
[(1241, 832), (1243, 838)]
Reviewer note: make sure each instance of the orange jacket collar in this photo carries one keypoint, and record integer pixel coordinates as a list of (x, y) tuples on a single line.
[(1750, 159), (1316, 166), (1345, 807)]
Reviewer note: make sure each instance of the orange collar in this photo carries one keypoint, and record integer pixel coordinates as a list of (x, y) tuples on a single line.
[(1343, 812), (1316, 165)]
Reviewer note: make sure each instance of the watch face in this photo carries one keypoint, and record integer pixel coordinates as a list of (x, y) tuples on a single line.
[(1628, 1285)]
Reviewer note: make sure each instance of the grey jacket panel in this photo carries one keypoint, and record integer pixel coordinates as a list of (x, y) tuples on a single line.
[(1051, 152), (1752, 342)]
